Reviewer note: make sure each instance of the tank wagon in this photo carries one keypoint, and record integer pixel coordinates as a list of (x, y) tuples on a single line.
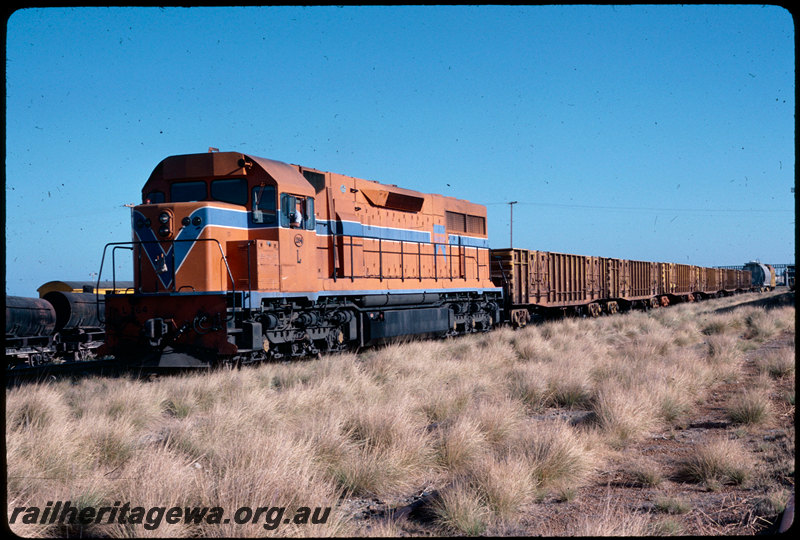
[(762, 275), (59, 327), (238, 258), (245, 258)]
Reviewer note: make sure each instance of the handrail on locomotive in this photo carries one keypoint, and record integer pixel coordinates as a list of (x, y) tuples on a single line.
[(132, 244)]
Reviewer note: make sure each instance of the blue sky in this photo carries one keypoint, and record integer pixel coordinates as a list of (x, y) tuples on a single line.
[(644, 132)]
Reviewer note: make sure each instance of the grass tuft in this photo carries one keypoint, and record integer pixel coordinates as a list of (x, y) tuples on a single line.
[(672, 505), (778, 363), (645, 473), (750, 408), (461, 508), (556, 455), (723, 461)]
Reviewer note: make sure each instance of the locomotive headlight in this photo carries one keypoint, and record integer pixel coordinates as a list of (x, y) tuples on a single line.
[(163, 230), (163, 217), (196, 221), (185, 221)]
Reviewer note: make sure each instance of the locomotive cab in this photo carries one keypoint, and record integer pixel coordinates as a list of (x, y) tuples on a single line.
[(207, 219), (206, 245)]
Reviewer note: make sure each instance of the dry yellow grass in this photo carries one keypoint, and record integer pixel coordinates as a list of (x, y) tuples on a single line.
[(749, 407), (721, 461), (483, 419), (558, 454)]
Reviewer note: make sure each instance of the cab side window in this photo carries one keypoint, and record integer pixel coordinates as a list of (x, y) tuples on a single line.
[(264, 207), (311, 221), (297, 212)]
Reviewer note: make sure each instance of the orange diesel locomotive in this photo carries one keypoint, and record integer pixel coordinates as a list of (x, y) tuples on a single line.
[(244, 258)]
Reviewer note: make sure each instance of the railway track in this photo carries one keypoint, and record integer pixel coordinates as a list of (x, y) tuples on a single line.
[(54, 371), (104, 367)]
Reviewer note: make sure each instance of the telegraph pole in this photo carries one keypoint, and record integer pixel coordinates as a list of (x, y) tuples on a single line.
[(511, 208)]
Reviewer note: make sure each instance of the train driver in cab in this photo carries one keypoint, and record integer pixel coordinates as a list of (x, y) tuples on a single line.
[(296, 218), (297, 212)]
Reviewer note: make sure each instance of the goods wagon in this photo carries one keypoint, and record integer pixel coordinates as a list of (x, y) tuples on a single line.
[(745, 281), (626, 283), (714, 279), (542, 280), (246, 258), (730, 279), (539, 283), (639, 283), (678, 281)]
